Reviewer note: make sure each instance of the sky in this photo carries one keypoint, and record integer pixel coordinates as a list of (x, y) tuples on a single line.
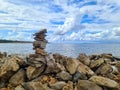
[(65, 20)]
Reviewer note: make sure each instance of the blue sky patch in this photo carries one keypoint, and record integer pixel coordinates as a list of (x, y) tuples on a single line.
[(56, 22)]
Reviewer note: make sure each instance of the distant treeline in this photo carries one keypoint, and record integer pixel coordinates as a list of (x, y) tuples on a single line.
[(14, 41)]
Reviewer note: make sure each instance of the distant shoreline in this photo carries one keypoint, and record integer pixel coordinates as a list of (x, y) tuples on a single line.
[(12, 41)]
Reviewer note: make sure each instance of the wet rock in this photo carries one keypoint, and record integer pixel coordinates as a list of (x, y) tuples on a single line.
[(79, 75), (84, 58), (33, 72), (102, 81), (18, 78), (87, 85), (19, 88), (64, 76), (72, 65), (104, 69), (58, 85), (96, 63)]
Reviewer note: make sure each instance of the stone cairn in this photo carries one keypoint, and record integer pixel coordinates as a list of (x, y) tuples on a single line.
[(40, 42), (43, 71)]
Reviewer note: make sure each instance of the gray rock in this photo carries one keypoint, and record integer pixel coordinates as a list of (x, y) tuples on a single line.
[(64, 76), (87, 85), (79, 75)]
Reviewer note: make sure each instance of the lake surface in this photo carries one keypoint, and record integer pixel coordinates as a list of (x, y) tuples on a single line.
[(65, 49)]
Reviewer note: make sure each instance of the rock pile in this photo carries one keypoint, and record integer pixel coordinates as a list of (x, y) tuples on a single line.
[(57, 72)]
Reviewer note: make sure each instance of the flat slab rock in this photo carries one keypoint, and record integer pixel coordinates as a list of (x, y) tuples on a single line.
[(102, 81), (87, 85)]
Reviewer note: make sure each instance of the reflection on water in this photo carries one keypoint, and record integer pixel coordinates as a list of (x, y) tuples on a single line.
[(65, 49)]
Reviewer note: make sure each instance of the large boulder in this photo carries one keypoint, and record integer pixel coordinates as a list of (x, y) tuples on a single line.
[(10, 65), (87, 85), (104, 69), (85, 69), (102, 81), (18, 78), (72, 65)]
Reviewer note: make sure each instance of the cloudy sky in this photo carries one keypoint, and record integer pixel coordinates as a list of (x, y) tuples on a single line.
[(65, 20)]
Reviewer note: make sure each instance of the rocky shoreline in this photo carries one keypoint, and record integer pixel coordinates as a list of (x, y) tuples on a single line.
[(43, 71), (59, 72)]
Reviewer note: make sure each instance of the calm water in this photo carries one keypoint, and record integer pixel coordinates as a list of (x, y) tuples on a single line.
[(65, 49)]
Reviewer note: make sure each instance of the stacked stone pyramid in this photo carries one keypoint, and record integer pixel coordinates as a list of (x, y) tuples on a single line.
[(40, 42)]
